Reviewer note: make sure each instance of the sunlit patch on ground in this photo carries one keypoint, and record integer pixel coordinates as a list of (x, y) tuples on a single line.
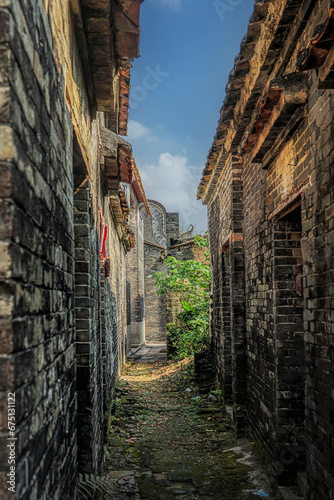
[(168, 440), (144, 372)]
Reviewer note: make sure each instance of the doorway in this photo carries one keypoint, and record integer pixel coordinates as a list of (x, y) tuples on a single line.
[(289, 344)]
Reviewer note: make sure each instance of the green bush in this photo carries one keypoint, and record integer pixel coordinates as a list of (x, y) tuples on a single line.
[(190, 280)]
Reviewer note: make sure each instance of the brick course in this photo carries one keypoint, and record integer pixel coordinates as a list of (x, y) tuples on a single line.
[(37, 287), (155, 305), (135, 273), (269, 196), (155, 247), (63, 336)]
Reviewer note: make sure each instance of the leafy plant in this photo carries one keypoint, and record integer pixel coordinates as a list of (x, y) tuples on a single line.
[(190, 281)]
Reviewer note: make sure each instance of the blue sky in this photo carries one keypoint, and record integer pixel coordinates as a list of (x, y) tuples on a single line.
[(178, 84)]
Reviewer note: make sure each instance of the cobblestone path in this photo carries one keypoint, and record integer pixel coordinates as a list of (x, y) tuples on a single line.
[(168, 440)]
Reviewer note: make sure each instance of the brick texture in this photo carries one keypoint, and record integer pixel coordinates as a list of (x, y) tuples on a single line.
[(271, 238), (155, 305), (155, 248), (36, 232), (135, 276), (62, 315), (89, 340)]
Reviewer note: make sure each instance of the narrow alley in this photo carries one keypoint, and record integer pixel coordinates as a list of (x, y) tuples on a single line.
[(170, 438), (136, 230)]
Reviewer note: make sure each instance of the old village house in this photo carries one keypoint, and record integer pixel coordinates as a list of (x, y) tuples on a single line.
[(71, 209), (269, 186)]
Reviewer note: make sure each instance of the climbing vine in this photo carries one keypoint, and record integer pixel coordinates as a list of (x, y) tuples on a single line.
[(190, 281)]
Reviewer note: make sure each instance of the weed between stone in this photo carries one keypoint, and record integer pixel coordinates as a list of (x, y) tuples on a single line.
[(175, 442)]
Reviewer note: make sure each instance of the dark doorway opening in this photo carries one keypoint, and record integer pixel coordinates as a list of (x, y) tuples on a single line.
[(289, 344)]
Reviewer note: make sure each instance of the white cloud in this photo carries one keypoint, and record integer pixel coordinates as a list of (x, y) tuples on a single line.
[(173, 183), (137, 130), (173, 4)]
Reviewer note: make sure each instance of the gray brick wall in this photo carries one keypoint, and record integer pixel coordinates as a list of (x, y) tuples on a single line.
[(155, 246), (317, 250), (172, 227), (109, 345), (135, 277), (228, 318), (58, 354), (89, 340), (271, 239), (36, 237), (155, 305)]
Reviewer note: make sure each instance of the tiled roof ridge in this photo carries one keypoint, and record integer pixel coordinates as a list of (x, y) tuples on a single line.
[(139, 188), (245, 85)]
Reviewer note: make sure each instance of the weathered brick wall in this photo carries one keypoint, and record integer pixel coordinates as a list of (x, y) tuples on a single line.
[(117, 291), (173, 306), (109, 344), (286, 253), (274, 333), (128, 317), (154, 248), (135, 273), (318, 250), (228, 315), (37, 264), (172, 226), (237, 294), (276, 308), (220, 317), (220, 226), (89, 340), (48, 147), (259, 311), (155, 305), (187, 251)]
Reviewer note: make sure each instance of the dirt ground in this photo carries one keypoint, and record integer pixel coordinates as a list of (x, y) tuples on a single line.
[(168, 439)]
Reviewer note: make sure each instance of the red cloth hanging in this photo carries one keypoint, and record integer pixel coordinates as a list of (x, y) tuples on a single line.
[(103, 237)]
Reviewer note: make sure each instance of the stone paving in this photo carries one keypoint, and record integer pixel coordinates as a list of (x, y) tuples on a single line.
[(168, 440)]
